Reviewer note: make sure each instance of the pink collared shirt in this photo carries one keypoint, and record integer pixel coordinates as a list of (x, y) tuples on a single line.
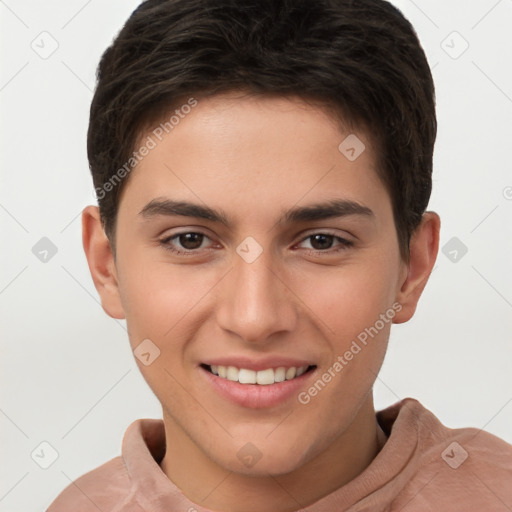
[(423, 466)]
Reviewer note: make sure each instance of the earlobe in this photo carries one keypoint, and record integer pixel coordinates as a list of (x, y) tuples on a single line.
[(424, 246), (101, 262)]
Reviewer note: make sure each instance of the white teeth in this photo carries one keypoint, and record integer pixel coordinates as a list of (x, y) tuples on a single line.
[(246, 376), (280, 374), (262, 377), (265, 377), (232, 373), (290, 373)]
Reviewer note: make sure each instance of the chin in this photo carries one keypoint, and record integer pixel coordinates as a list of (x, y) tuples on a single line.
[(264, 468), (270, 459)]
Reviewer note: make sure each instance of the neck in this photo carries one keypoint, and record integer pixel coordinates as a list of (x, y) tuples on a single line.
[(210, 485)]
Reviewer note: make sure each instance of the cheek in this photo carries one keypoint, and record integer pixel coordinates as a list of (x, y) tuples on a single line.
[(159, 299), (348, 299), (348, 303), (354, 311)]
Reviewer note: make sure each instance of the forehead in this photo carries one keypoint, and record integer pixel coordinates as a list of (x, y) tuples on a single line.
[(251, 153)]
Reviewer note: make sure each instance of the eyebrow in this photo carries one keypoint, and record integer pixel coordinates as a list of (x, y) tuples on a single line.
[(320, 211)]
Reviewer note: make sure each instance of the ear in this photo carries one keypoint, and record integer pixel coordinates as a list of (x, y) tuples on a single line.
[(101, 262), (423, 249)]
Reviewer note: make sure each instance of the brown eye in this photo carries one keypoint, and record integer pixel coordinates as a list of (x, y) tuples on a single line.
[(191, 241), (321, 242), (187, 244), (325, 243)]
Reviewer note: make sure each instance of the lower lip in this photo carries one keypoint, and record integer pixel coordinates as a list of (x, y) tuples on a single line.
[(257, 396)]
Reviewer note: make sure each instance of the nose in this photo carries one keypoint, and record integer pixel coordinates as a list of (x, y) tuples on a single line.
[(255, 301)]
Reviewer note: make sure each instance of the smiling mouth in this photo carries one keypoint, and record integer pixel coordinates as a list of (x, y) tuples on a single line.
[(261, 377)]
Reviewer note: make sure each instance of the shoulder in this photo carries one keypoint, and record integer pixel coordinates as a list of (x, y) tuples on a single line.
[(457, 469), (102, 488), (118, 485)]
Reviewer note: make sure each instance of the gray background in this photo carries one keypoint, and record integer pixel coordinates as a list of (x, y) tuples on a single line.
[(67, 375)]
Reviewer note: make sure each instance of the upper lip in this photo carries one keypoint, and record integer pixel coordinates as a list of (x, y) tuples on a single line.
[(258, 364)]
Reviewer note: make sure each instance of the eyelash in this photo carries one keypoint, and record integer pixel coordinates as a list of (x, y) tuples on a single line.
[(344, 244)]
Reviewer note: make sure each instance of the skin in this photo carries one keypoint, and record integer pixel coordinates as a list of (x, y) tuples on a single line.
[(253, 159)]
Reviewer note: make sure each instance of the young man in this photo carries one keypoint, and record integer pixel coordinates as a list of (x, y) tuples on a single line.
[(263, 168)]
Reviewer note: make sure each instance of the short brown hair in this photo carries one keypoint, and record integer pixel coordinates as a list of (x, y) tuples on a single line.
[(361, 58)]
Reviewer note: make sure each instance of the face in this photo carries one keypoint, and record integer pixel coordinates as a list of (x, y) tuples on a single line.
[(247, 239)]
